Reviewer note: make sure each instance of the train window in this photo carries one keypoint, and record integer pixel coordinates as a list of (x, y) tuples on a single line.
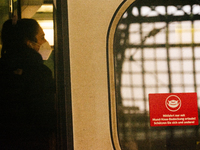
[(49, 18), (44, 16), (156, 49)]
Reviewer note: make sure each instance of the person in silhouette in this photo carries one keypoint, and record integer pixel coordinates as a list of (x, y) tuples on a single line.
[(27, 90)]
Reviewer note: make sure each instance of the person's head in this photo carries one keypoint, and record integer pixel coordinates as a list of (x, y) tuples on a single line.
[(31, 34), (25, 32)]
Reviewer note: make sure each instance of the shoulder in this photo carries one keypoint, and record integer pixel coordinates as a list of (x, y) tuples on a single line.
[(39, 70)]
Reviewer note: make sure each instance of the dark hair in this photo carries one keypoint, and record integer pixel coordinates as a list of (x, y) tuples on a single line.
[(14, 36), (7, 33), (27, 29)]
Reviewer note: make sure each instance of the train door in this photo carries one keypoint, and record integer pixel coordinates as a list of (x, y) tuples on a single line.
[(49, 18)]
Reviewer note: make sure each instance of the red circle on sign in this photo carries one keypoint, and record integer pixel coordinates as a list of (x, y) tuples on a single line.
[(173, 103)]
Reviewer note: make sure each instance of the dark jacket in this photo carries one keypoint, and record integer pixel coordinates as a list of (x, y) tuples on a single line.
[(26, 98)]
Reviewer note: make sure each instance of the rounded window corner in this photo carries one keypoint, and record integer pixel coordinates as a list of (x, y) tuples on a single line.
[(111, 73)]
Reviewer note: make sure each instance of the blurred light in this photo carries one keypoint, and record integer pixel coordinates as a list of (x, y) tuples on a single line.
[(46, 8), (47, 26)]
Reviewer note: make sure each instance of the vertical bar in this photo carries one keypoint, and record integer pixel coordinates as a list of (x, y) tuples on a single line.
[(143, 78), (168, 57), (63, 79), (11, 8), (19, 9), (193, 51), (169, 129), (181, 60), (155, 60), (194, 69)]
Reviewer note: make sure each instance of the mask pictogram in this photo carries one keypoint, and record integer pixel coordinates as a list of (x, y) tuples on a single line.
[(173, 103)]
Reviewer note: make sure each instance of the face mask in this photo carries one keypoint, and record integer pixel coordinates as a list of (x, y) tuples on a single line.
[(45, 50)]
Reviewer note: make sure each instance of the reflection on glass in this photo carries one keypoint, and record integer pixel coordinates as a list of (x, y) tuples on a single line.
[(156, 51)]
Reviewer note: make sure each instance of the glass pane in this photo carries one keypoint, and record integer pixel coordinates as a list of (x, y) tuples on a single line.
[(161, 55)]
